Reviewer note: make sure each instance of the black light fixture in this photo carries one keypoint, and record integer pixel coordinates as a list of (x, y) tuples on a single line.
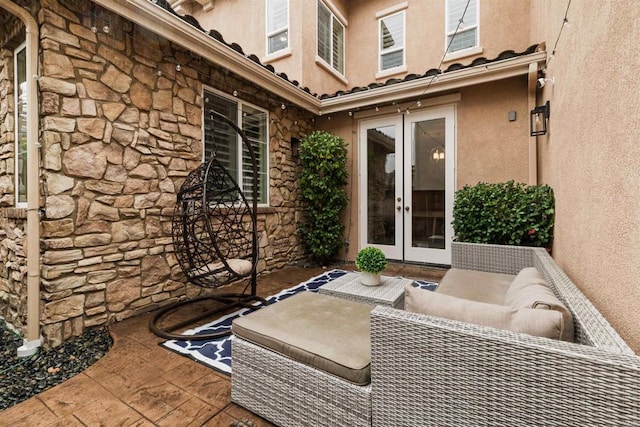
[(538, 119)]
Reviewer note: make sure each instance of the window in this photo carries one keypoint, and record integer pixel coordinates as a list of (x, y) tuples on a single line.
[(20, 89), (391, 48), (221, 139), (467, 35), (277, 25), (330, 38)]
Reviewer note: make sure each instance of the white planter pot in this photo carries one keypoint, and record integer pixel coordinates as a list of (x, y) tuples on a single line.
[(369, 279)]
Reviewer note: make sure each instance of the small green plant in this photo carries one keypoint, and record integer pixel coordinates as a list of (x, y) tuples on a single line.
[(506, 213), (371, 260), (324, 175)]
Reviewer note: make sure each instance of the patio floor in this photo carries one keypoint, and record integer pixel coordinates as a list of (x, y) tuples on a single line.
[(139, 383)]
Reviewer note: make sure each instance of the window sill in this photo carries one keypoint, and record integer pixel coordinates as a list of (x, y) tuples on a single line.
[(277, 55), (321, 62), (391, 72), (463, 53)]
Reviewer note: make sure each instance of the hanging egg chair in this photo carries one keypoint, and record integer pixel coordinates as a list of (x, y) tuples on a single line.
[(215, 240)]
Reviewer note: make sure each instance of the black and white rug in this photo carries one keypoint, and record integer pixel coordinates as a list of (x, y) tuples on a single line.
[(217, 353)]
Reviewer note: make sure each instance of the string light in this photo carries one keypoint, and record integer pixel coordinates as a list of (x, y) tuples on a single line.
[(419, 103), (350, 113), (106, 29), (94, 29), (565, 23), (235, 92), (283, 107), (178, 67)]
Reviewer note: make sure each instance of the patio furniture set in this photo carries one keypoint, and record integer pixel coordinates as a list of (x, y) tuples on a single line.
[(353, 356)]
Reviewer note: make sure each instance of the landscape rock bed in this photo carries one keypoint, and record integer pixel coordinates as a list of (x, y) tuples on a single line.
[(22, 378)]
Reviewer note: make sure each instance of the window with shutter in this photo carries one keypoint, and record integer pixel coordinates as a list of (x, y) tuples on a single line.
[(20, 90), (392, 35), (221, 139), (330, 38), (462, 24), (277, 25)]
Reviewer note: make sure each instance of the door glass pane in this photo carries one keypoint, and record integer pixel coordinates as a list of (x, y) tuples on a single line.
[(428, 184), (381, 185)]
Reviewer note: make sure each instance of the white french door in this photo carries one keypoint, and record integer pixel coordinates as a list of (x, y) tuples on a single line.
[(407, 184)]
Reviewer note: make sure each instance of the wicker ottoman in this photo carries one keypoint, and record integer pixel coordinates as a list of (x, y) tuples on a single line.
[(304, 361)]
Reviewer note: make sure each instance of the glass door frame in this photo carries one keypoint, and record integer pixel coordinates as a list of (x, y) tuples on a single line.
[(422, 254), (394, 251), (402, 250)]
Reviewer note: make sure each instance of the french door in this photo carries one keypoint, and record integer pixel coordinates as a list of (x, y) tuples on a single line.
[(407, 185)]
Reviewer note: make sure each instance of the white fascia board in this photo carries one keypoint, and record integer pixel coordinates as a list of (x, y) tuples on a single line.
[(160, 21), (420, 87)]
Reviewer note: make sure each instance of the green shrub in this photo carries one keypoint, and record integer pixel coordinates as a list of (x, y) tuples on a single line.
[(506, 213), (324, 175), (371, 259)]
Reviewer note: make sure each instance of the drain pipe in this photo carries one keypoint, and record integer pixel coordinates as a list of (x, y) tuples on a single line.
[(33, 340), (533, 140)]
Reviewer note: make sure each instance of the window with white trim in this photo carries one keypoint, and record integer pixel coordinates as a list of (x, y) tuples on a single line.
[(466, 35), (20, 90), (229, 149), (277, 25), (391, 29), (330, 38)]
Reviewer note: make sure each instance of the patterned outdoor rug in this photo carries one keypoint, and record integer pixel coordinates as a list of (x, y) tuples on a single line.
[(217, 353)]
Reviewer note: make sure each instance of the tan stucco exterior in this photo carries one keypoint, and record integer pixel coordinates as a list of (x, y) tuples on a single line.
[(591, 156)]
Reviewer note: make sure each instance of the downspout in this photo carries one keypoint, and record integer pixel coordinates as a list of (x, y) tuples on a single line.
[(32, 342), (533, 140)]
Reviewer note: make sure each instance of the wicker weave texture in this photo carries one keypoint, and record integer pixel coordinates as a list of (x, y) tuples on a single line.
[(429, 371), (389, 292), (288, 393)]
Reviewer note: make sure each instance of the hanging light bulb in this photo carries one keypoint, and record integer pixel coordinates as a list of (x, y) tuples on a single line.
[(235, 93), (178, 67), (377, 108), (106, 29), (419, 103), (350, 113), (94, 29), (159, 72), (408, 111), (399, 110), (283, 107)]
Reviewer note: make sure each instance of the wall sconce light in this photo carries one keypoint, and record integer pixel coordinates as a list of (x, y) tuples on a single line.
[(539, 118), (437, 154), (295, 147)]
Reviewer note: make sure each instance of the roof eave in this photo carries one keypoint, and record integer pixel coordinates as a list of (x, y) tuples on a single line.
[(160, 21), (422, 88)]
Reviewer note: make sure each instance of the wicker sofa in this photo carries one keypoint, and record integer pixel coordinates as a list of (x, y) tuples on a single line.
[(432, 371)]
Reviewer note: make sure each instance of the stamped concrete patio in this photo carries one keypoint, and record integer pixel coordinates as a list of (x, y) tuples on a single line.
[(139, 383)]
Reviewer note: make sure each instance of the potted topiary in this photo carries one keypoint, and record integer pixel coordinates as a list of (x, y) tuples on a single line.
[(370, 261)]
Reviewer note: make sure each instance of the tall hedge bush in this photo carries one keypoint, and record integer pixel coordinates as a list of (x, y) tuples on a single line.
[(324, 175), (507, 213)]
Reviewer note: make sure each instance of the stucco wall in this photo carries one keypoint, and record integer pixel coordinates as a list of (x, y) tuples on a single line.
[(591, 156)]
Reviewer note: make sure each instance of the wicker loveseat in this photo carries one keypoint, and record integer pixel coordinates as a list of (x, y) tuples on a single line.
[(432, 371)]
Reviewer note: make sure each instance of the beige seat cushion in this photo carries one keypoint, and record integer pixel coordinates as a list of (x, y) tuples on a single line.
[(325, 332), (240, 266), (530, 290), (475, 285), (541, 323)]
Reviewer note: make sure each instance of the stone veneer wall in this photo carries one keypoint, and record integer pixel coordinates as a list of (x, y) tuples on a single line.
[(120, 129)]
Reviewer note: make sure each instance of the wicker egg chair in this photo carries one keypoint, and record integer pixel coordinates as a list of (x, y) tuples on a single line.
[(215, 241)]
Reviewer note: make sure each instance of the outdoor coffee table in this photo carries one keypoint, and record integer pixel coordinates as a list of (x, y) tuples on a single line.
[(390, 291)]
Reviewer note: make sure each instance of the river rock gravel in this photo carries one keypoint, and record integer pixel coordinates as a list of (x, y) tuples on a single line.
[(22, 378)]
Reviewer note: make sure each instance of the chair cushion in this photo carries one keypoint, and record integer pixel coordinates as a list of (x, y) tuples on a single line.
[(530, 290), (325, 332), (541, 323), (474, 285)]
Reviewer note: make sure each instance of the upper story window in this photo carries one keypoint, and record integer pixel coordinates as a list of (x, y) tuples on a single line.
[(221, 139), (330, 38), (467, 31), (277, 25), (20, 89), (391, 47)]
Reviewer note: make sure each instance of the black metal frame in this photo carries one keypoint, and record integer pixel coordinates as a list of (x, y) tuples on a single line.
[(213, 228)]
